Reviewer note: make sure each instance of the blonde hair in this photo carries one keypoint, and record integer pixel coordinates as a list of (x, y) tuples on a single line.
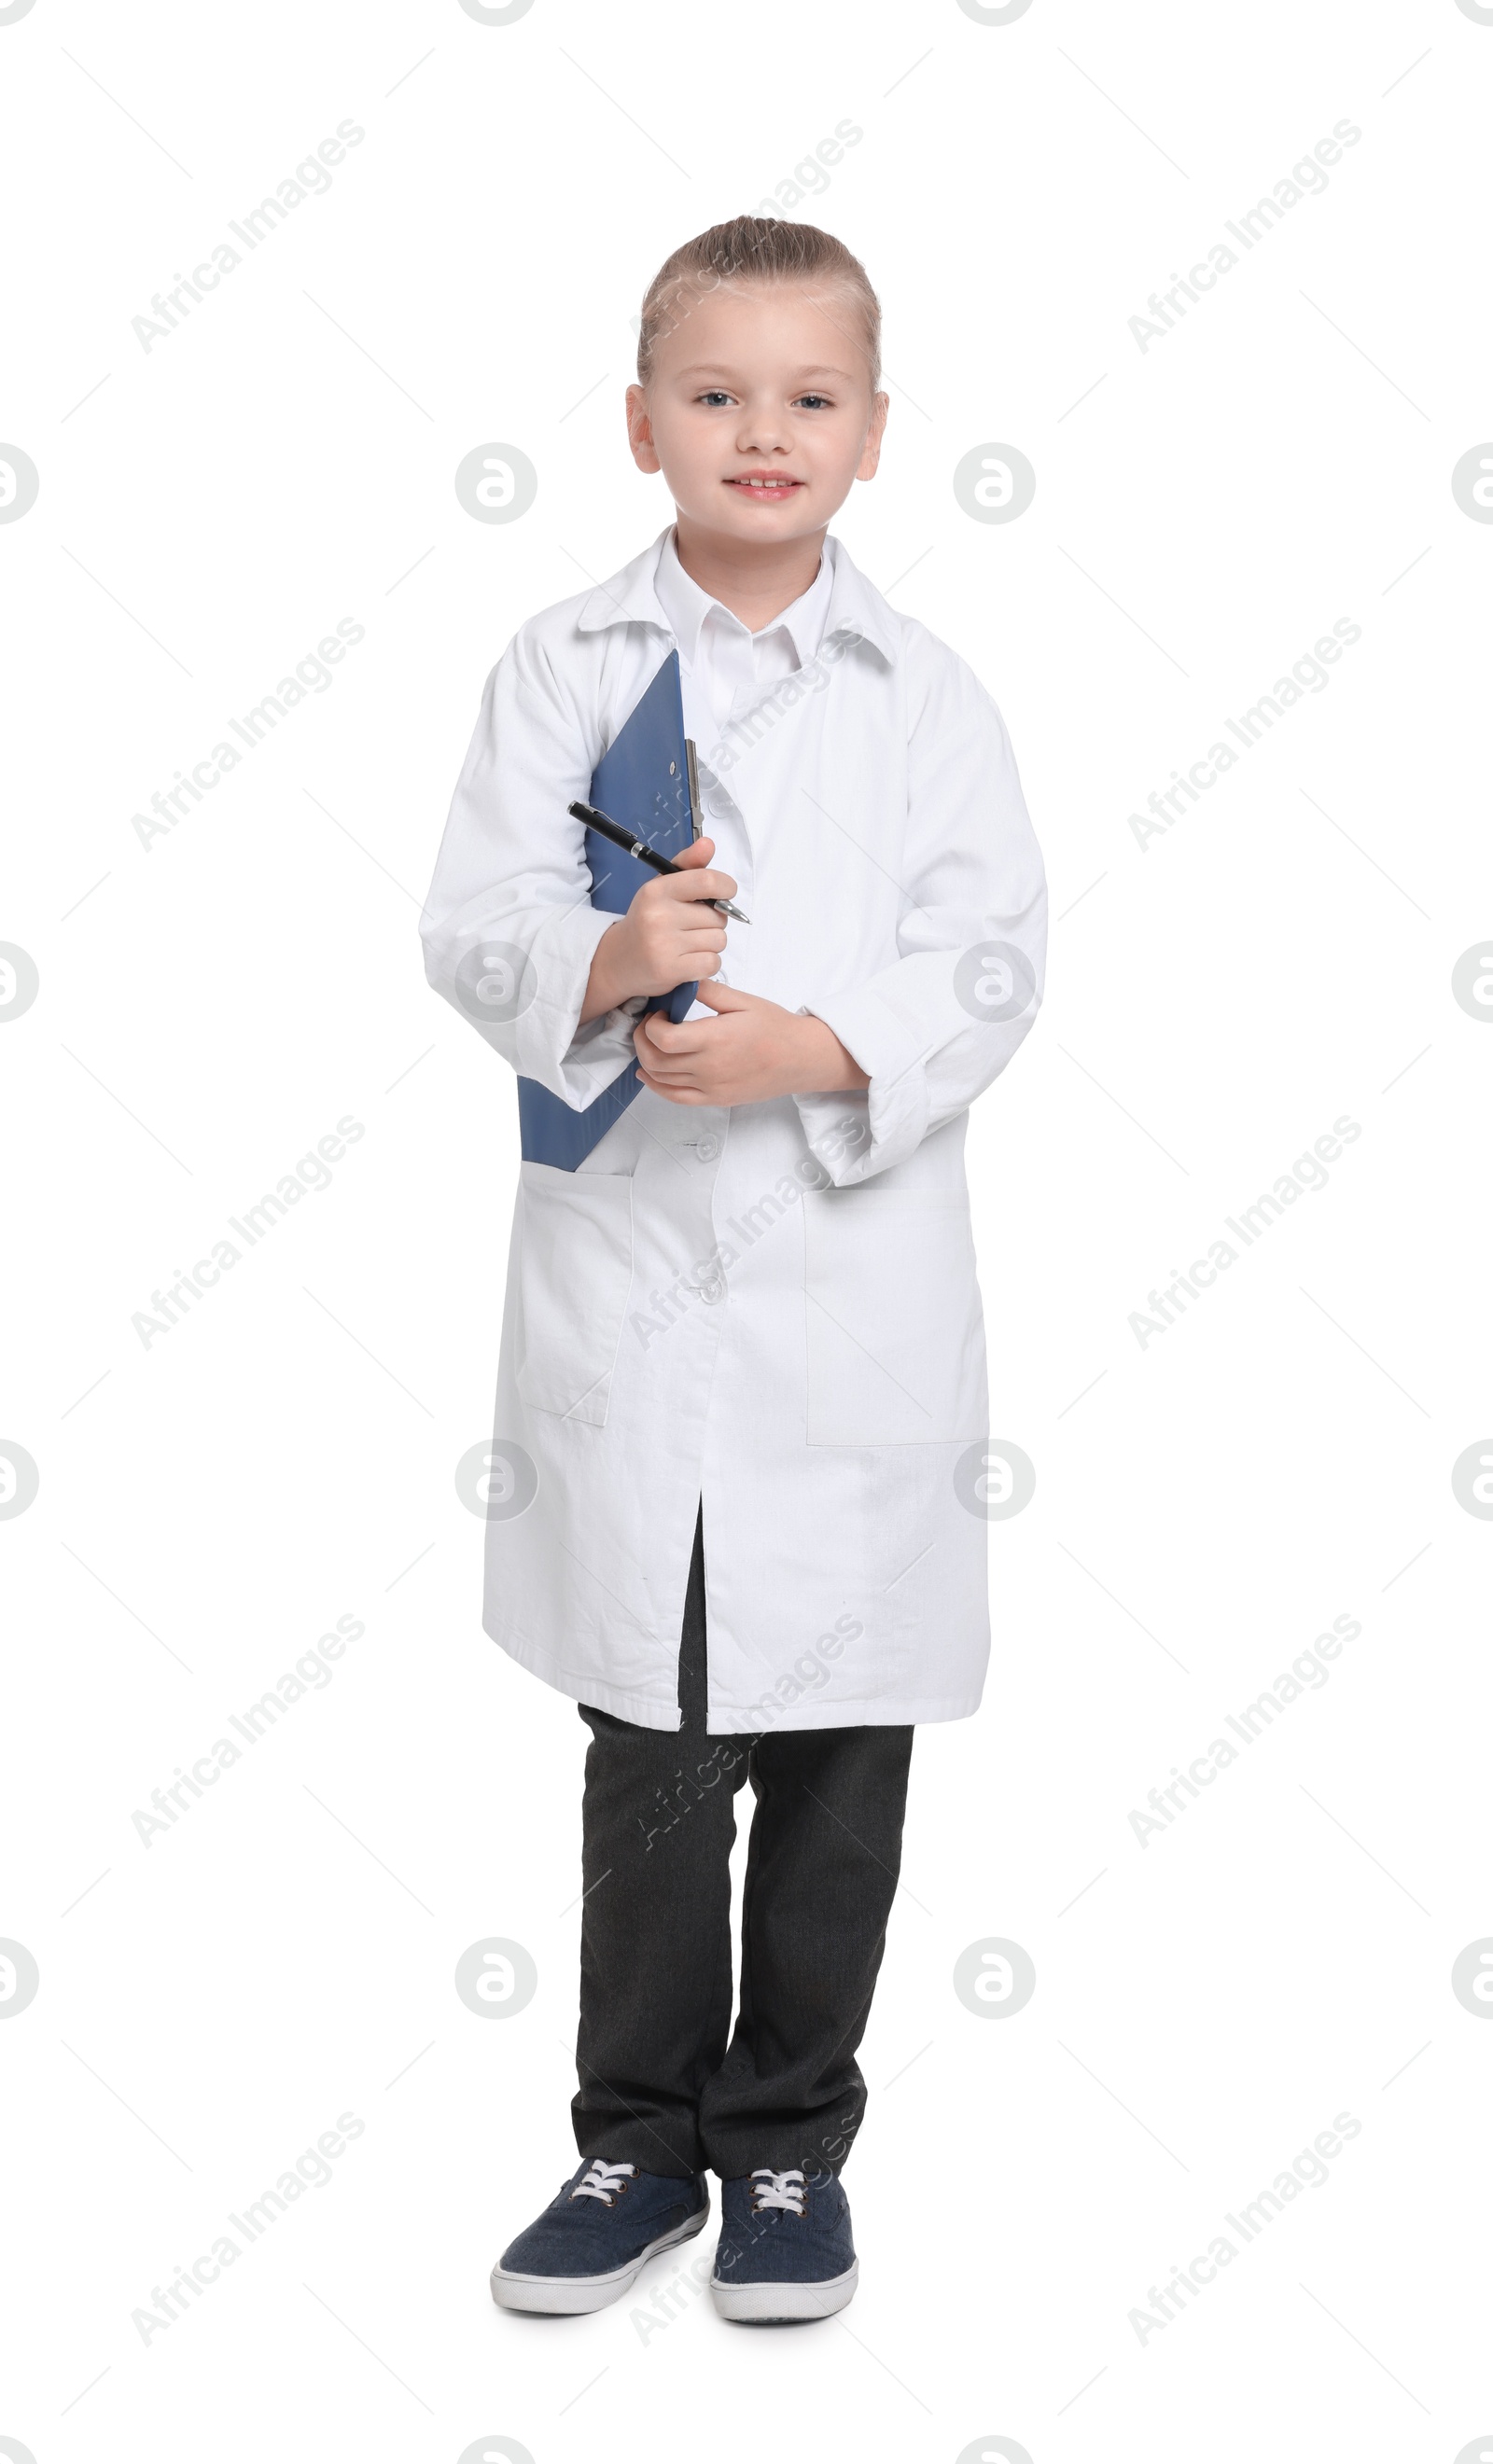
[(756, 248)]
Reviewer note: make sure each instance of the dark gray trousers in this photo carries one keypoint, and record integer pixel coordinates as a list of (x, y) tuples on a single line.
[(660, 2085)]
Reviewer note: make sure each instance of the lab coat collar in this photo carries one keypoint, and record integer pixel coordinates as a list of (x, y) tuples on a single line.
[(631, 598)]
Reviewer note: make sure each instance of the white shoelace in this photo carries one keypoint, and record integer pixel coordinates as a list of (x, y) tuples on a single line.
[(602, 2182), (779, 2189)]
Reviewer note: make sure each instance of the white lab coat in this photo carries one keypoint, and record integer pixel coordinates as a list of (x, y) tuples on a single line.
[(771, 1307)]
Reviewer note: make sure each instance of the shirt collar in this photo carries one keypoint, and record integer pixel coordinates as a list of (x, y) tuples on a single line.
[(687, 606), (854, 606)]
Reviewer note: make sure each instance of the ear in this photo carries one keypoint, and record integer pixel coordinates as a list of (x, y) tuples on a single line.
[(871, 452), (640, 430)]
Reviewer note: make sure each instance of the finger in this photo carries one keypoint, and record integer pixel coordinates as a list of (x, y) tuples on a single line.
[(726, 996), (664, 1036), (698, 851), (676, 1094), (677, 1067), (694, 885)]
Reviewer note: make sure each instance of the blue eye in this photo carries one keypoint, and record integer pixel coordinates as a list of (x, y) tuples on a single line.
[(813, 402), (715, 396)]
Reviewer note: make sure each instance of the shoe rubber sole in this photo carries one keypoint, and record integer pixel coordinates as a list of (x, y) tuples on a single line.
[(567, 2297), (768, 2305)]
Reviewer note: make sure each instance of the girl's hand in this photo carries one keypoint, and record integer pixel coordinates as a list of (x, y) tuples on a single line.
[(668, 936), (750, 1051)]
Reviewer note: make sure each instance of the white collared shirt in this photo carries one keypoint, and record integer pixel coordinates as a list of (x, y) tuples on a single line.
[(724, 668), (773, 1306)]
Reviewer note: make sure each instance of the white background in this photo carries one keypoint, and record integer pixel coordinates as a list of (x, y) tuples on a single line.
[(1205, 509)]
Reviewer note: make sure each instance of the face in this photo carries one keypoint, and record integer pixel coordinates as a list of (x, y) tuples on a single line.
[(760, 411)]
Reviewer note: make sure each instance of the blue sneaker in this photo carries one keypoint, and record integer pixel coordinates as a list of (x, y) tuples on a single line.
[(785, 2250), (588, 2246)]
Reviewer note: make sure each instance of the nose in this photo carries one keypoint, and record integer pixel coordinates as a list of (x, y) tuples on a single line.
[(762, 428)]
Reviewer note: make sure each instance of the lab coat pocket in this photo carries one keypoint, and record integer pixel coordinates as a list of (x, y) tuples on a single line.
[(896, 1339), (575, 1272)]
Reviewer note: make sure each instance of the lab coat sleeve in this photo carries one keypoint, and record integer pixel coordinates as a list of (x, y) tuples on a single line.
[(935, 1028), (509, 929)]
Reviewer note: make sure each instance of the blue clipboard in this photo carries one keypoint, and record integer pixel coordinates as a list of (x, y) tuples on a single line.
[(643, 780)]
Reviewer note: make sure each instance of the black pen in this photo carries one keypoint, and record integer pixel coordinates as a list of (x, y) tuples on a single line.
[(624, 838)]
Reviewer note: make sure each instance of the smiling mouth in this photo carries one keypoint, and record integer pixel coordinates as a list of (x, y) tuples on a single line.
[(773, 487)]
